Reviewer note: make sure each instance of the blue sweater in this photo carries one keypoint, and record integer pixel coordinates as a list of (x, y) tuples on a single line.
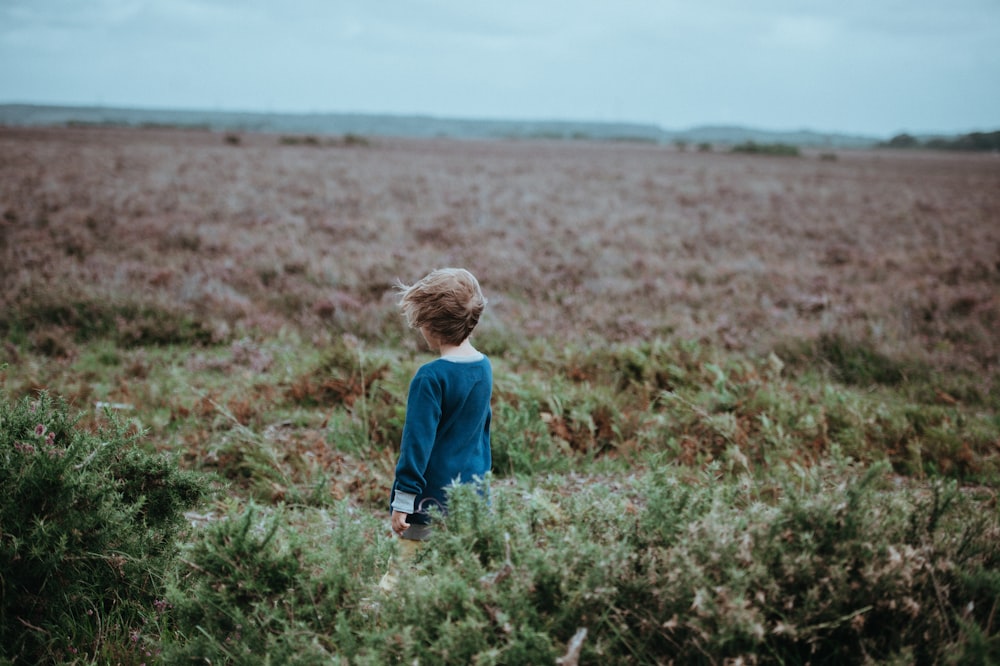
[(446, 435)]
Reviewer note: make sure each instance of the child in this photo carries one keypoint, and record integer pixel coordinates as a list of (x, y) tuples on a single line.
[(446, 435)]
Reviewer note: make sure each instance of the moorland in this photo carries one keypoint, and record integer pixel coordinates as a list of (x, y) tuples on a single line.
[(746, 407)]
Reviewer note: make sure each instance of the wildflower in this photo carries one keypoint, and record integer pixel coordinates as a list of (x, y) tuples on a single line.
[(24, 448), (40, 429), (50, 438)]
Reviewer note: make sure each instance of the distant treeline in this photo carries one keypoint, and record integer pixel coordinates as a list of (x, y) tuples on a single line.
[(981, 141)]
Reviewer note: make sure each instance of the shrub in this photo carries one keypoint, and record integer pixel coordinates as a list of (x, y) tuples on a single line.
[(351, 139), (361, 383), (779, 149), (89, 528), (259, 589), (520, 441), (620, 403), (858, 363), (297, 140), (49, 321), (974, 141), (341, 377), (828, 564)]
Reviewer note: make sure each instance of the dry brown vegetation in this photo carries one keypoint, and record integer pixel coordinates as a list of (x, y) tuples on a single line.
[(875, 266), (574, 241)]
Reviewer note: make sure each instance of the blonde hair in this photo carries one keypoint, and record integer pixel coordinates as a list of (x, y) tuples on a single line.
[(448, 301)]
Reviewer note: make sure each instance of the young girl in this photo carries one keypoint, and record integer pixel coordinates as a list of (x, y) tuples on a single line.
[(446, 435)]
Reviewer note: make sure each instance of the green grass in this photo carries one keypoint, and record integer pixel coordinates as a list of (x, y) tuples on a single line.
[(673, 499)]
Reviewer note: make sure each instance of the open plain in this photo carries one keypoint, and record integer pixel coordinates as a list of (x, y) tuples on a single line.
[(746, 408), (575, 241)]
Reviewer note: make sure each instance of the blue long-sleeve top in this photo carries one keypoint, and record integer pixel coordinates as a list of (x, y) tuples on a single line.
[(446, 435)]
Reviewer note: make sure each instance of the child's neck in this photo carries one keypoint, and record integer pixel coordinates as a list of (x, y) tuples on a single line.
[(464, 349)]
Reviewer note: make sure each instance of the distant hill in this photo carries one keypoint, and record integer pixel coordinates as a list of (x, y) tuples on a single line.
[(325, 123), (738, 135), (21, 115)]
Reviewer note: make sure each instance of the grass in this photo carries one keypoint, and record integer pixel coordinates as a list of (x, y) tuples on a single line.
[(743, 410)]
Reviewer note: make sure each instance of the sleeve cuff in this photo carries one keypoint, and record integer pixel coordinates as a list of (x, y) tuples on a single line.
[(403, 502)]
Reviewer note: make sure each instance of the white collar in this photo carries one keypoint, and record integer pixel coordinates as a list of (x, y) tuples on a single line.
[(463, 358)]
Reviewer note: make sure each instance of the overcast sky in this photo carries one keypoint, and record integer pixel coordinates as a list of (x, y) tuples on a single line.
[(875, 67)]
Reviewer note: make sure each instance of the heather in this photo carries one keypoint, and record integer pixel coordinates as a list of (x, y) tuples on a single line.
[(746, 408)]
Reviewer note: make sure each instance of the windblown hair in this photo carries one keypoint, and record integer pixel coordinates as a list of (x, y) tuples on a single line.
[(447, 301)]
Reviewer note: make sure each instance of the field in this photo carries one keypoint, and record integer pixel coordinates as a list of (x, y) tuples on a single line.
[(692, 343)]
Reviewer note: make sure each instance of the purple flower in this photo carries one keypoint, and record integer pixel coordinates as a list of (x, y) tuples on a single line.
[(40, 429), (50, 438)]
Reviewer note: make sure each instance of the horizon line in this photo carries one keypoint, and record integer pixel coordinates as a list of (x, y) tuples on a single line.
[(708, 125)]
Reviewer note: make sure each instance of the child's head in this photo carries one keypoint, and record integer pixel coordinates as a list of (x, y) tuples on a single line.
[(446, 302)]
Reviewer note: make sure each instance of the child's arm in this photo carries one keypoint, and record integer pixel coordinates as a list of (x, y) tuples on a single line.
[(423, 413)]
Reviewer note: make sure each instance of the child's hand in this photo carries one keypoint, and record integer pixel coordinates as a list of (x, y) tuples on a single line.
[(399, 522)]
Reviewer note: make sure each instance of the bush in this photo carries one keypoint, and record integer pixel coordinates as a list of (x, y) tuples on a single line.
[(89, 528), (903, 141), (519, 439), (51, 322), (754, 148), (974, 141), (362, 384), (351, 139), (829, 564), (258, 589), (860, 364)]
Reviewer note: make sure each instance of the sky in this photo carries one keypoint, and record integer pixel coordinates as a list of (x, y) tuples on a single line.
[(866, 67)]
